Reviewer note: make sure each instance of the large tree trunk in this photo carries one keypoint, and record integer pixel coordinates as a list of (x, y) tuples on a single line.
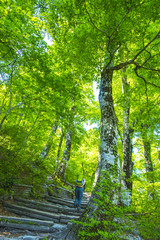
[(127, 165), (109, 154)]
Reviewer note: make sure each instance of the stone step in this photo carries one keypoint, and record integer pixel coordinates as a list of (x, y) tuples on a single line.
[(30, 224), (69, 203), (52, 208), (33, 213), (46, 217), (26, 220), (21, 189)]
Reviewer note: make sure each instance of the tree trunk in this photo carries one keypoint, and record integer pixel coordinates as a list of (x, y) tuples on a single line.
[(159, 156), (147, 151), (59, 148), (147, 156), (47, 147), (109, 154), (148, 160), (127, 165), (58, 153), (66, 156)]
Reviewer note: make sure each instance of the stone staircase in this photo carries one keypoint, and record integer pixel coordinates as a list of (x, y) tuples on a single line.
[(50, 215)]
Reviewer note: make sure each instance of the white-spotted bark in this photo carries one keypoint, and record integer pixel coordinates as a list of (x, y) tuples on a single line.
[(109, 160), (109, 155)]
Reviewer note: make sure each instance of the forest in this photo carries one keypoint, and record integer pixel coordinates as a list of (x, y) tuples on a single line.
[(80, 94)]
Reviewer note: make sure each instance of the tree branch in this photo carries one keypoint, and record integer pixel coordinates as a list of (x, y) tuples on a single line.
[(93, 22), (9, 110), (145, 47), (150, 69), (152, 84), (132, 61), (120, 22)]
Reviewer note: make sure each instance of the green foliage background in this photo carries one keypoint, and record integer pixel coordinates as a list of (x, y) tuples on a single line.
[(40, 84)]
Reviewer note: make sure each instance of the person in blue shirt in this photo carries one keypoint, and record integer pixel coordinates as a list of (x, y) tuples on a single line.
[(80, 183)]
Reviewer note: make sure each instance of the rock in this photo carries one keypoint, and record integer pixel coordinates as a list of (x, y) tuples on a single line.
[(58, 227), (131, 237), (29, 238)]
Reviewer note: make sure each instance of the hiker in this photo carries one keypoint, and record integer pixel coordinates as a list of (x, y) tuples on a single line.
[(80, 183)]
